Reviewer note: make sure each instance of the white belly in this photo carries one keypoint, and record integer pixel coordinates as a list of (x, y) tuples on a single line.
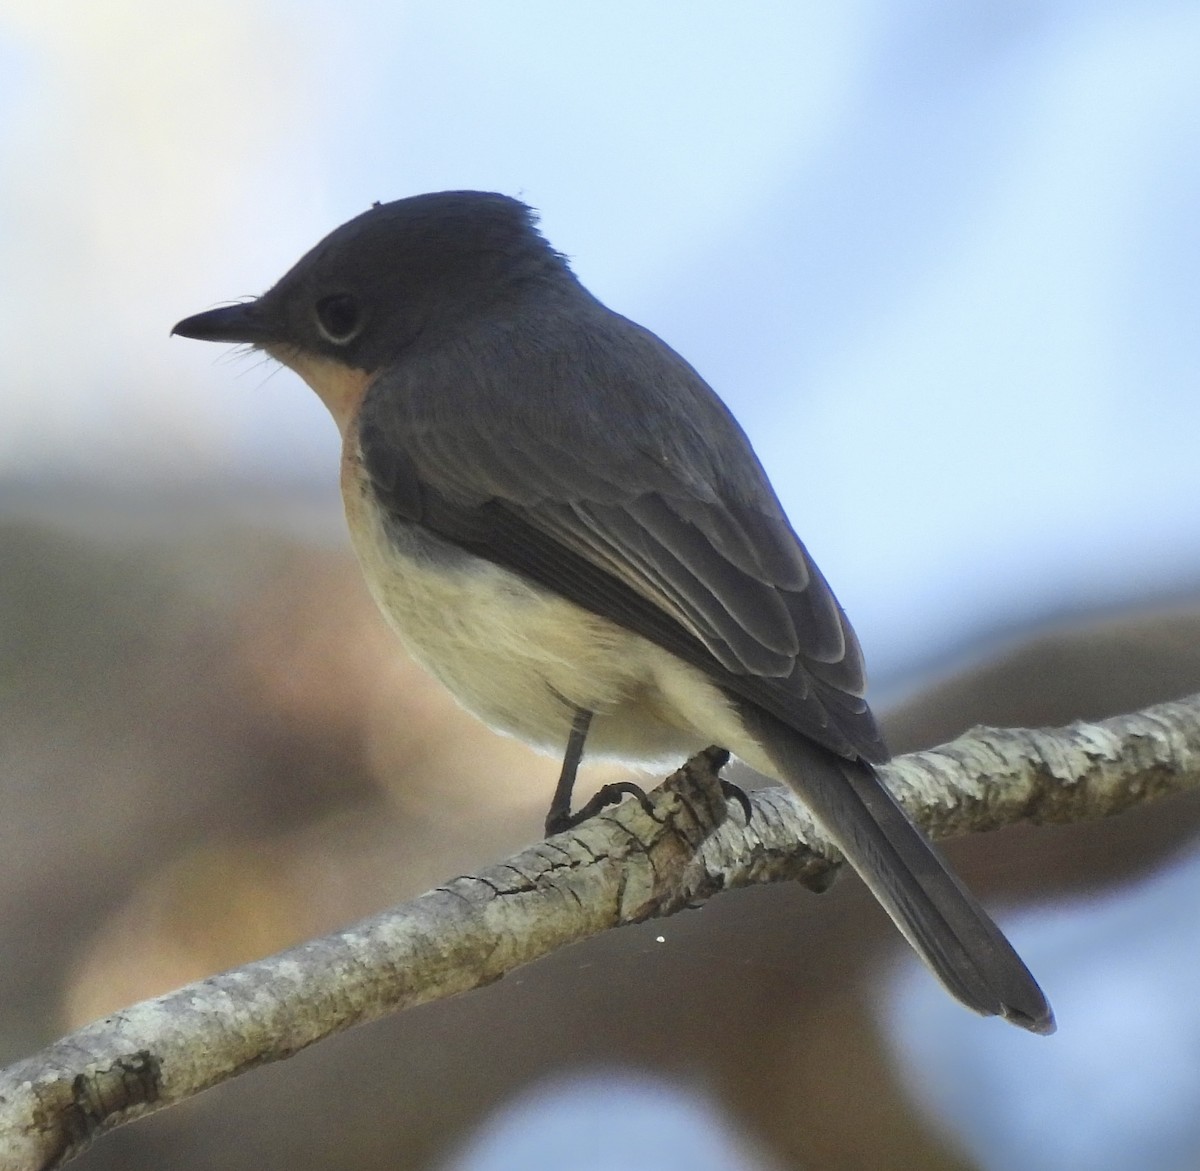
[(524, 660)]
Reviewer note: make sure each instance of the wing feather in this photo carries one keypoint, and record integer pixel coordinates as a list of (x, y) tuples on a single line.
[(633, 493)]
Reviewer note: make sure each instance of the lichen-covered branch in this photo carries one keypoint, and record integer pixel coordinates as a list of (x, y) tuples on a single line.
[(622, 867)]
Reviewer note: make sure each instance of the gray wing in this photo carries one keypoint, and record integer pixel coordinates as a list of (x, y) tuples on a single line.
[(590, 458)]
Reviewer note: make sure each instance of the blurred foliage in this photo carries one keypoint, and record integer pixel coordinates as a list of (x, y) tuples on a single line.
[(210, 747)]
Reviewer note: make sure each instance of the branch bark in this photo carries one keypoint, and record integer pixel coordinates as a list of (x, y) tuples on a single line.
[(622, 867)]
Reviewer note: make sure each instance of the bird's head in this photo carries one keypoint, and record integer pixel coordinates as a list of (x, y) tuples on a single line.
[(406, 273)]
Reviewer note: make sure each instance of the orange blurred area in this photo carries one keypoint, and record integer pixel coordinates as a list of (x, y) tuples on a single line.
[(211, 748)]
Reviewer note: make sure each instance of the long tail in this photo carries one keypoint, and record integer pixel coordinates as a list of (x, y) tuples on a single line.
[(949, 930)]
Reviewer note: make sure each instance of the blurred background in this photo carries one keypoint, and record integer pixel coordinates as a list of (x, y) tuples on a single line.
[(941, 260)]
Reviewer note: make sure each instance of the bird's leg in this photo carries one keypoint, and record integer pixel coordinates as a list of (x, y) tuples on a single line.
[(560, 816)]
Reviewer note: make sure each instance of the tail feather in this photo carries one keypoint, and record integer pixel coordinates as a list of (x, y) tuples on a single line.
[(946, 926)]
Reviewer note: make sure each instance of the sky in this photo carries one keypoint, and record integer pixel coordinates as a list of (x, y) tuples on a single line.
[(939, 258), (1117, 1085)]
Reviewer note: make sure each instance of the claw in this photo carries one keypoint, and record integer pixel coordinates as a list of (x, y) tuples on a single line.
[(738, 794)]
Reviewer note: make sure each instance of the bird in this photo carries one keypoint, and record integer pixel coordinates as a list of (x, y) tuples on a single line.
[(569, 529)]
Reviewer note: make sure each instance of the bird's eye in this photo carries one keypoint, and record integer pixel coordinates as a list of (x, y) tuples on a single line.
[(339, 317)]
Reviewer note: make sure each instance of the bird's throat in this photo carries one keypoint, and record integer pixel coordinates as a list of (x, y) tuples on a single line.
[(340, 387)]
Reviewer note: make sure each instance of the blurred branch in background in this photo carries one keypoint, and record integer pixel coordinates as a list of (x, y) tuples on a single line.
[(614, 870), (211, 750)]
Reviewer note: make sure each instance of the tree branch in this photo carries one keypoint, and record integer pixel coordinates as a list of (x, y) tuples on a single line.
[(622, 867)]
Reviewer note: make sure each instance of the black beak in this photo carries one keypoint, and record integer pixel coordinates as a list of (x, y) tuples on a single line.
[(232, 323)]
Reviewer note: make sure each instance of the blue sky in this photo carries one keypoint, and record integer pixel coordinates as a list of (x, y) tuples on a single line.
[(941, 259)]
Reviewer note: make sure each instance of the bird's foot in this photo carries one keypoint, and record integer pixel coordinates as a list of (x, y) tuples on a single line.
[(557, 822)]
